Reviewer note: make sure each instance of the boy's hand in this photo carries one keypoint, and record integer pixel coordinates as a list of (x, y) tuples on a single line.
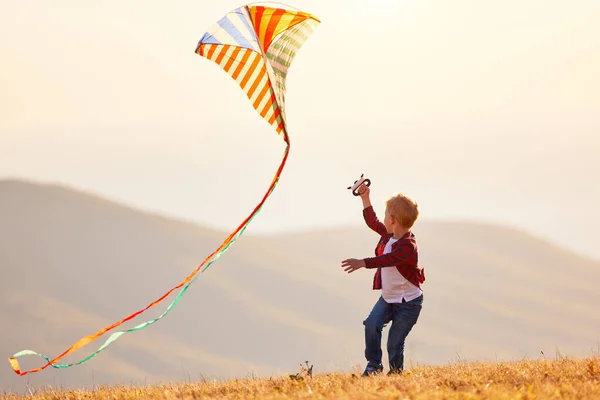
[(364, 191), (352, 264)]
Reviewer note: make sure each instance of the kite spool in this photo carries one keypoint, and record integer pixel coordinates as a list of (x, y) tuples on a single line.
[(358, 183)]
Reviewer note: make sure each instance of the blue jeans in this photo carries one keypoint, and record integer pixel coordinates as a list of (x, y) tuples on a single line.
[(403, 316)]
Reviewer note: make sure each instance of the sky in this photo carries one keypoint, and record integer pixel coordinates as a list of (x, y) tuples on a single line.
[(480, 110)]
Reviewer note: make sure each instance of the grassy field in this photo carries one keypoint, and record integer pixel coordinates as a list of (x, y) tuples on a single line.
[(556, 379)]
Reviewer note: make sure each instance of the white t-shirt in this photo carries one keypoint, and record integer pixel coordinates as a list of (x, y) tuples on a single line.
[(394, 286)]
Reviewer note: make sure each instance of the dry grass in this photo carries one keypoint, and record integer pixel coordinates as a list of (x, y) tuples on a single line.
[(556, 379)]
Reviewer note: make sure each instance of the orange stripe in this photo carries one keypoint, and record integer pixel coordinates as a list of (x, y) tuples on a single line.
[(242, 63), (276, 114), (15, 365), (211, 51), (261, 96), (265, 110), (257, 81), (234, 55), (280, 127), (297, 19), (224, 49), (258, 15), (273, 22), (250, 72)]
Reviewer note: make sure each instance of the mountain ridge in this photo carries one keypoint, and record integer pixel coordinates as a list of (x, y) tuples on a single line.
[(319, 230)]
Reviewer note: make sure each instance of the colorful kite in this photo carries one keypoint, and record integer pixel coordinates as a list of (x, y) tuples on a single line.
[(255, 45)]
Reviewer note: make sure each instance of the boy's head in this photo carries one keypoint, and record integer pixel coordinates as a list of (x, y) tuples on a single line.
[(400, 210)]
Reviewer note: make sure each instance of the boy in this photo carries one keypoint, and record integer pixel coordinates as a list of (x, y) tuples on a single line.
[(398, 276)]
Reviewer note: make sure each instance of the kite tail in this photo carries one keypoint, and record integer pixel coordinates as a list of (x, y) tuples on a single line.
[(184, 284)]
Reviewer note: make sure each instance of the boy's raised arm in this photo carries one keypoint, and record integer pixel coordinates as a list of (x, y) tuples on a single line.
[(372, 221), (369, 213), (364, 195)]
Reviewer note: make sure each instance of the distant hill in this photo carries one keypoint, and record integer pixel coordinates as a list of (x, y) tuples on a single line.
[(72, 262)]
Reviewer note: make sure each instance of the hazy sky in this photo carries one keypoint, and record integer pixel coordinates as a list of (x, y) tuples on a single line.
[(480, 110)]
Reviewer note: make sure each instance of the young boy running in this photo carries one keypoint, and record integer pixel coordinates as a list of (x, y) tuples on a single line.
[(398, 276)]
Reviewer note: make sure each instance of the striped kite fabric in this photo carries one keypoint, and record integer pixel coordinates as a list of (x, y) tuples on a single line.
[(255, 45)]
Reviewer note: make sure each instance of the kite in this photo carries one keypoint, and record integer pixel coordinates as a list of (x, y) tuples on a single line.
[(255, 44), (358, 183)]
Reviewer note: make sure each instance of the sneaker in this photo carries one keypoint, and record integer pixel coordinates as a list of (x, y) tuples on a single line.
[(373, 370), (394, 372)]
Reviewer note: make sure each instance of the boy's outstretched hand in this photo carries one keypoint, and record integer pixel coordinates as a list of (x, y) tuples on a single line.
[(364, 191), (352, 264)]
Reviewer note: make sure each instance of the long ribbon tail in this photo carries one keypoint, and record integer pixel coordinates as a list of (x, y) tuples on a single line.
[(184, 284)]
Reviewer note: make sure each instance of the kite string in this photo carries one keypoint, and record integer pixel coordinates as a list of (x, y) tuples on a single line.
[(187, 282)]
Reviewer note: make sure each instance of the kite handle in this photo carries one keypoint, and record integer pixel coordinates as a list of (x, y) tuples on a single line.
[(358, 183)]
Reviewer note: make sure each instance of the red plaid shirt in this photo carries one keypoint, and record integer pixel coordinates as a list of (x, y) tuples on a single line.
[(404, 254)]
